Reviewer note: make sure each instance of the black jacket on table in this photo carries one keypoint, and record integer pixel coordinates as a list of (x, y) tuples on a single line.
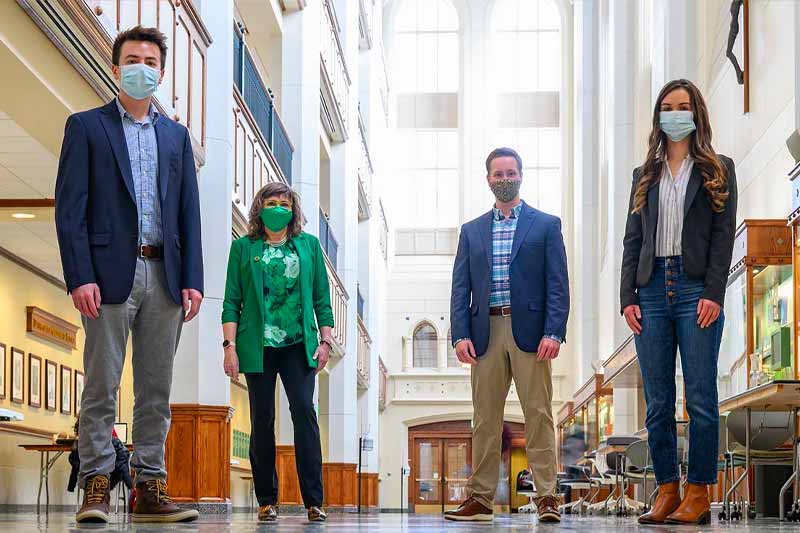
[(707, 239), (121, 467)]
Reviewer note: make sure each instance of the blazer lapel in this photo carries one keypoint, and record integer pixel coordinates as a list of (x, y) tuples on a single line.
[(164, 156), (112, 123), (653, 196), (255, 258), (695, 181), (485, 227), (524, 223)]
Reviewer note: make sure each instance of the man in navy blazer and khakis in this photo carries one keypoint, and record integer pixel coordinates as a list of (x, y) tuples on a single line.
[(508, 317), (128, 226)]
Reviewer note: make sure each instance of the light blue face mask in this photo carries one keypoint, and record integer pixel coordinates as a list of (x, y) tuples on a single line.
[(677, 124), (139, 81)]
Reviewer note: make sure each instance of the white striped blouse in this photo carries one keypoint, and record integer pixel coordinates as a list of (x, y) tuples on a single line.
[(672, 197)]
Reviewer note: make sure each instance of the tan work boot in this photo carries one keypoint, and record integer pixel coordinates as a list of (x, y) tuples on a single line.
[(96, 501), (547, 509), (667, 501)]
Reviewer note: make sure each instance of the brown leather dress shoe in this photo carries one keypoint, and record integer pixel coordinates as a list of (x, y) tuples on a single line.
[(547, 509), (316, 514), (667, 501), (96, 501), (267, 513), (153, 504), (695, 507), (470, 511)]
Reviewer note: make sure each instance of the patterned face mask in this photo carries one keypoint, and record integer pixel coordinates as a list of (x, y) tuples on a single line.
[(505, 190)]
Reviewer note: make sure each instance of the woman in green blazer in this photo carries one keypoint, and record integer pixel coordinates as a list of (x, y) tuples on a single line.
[(277, 320)]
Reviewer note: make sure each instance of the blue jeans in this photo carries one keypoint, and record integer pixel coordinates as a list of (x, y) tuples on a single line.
[(669, 321)]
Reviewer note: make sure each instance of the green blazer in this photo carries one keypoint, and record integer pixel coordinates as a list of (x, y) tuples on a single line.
[(244, 298)]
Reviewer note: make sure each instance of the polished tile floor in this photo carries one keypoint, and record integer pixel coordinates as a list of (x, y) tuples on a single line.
[(25, 522)]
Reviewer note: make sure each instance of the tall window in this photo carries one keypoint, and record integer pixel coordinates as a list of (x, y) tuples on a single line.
[(425, 346), (452, 359), (526, 60), (425, 77)]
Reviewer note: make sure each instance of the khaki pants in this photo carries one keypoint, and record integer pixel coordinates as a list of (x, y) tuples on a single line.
[(491, 379)]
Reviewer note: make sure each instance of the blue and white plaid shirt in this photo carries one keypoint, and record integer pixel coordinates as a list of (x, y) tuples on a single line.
[(140, 136), (503, 230)]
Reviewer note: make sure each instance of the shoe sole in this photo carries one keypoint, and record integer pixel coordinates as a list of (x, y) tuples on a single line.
[(189, 515), (473, 518), (550, 518), (704, 520), (92, 517)]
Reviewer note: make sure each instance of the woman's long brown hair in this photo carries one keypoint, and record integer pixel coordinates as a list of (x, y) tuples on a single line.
[(275, 189), (715, 177)]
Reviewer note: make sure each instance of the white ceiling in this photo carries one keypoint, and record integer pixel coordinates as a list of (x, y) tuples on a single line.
[(27, 170)]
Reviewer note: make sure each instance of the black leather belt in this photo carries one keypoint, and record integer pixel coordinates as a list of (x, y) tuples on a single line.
[(149, 252)]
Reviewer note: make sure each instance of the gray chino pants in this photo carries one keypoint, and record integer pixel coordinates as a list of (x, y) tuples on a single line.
[(155, 322)]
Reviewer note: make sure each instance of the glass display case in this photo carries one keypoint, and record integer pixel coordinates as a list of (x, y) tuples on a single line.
[(588, 401), (794, 221), (757, 344), (605, 416)]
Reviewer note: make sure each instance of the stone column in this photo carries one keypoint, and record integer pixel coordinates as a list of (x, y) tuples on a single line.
[(586, 128), (200, 431)]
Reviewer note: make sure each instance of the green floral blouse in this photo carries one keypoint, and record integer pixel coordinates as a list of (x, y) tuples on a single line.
[(284, 311)]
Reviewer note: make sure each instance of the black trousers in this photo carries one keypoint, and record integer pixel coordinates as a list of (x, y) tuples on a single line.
[(298, 381)]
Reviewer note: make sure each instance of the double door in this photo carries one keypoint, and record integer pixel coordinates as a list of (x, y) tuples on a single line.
[(442, 467)]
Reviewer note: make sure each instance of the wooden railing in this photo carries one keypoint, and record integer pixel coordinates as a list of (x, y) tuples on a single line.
[(182, 92), (366, 13), (364, 348), (254, 163), (339, 298), (335, 76), (382, 385)]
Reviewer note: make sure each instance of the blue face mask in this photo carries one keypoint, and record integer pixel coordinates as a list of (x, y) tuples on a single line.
[(677, 124), (139, 81)]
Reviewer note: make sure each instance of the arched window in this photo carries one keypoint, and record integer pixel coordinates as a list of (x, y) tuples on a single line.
[(425, 346), (452, 360), (526, 56), (424, 63)]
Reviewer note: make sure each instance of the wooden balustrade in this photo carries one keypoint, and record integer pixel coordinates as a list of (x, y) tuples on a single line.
[(339, 298)]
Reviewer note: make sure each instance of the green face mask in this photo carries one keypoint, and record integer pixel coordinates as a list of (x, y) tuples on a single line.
[(276, 218)]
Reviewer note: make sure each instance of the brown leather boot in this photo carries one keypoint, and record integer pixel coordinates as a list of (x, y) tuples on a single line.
[(96, 500), (153, 504), (667, 501), (695, 507)]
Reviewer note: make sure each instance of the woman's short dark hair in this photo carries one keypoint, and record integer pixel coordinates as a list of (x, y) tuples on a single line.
[(275, 189), (140, 33), (503, 152)]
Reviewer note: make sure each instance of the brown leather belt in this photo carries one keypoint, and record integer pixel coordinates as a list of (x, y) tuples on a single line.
[(500, 311), (149, 252)]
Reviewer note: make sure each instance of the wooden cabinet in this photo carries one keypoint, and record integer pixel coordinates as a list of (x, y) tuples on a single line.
[(593, 408), (756, 343)]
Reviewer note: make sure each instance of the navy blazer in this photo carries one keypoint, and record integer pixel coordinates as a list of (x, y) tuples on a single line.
[(96, 217), (539, 281)]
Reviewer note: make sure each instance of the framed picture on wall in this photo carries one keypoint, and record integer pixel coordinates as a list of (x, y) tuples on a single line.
[(78, 391), (17, 375), (34, 380), (2, 371), (66, 390), (50, 385)]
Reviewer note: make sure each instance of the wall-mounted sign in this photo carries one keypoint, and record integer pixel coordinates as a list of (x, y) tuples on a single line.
[(50, 327)]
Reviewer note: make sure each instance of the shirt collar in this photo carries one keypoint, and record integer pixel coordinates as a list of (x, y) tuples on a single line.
[(152, 113), (498, 215)]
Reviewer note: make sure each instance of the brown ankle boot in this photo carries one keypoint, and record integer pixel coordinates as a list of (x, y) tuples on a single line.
[(153, 504), (668, 499), (695, 507), (96, 500)]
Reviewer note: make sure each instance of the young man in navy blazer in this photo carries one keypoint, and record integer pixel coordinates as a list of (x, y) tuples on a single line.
[(128, 226), (508, 313)]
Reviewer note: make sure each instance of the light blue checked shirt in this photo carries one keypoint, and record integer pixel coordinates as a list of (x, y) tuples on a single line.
[(503, 230), (140, 136)]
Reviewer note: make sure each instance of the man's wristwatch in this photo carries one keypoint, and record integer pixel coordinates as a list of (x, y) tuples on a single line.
[(227, 344)]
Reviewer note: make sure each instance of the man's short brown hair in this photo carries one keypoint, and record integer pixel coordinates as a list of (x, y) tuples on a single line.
[(503, 152), (140, 33)]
